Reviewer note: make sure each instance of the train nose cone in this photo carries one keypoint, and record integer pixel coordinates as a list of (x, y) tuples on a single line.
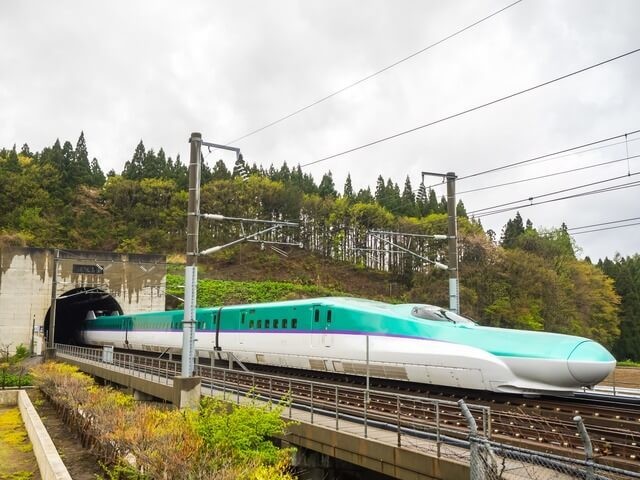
[(590, 363)]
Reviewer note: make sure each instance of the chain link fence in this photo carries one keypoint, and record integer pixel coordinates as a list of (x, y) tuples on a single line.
[(490, 460)]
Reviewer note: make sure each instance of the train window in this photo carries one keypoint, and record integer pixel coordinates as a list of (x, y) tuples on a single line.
[(266, 324), (215, 318), (275, 323), (284, 323), (259, 325), (243, 316), (440, 314), (328, 316), (250, 323), (316, 314), (294, 323)]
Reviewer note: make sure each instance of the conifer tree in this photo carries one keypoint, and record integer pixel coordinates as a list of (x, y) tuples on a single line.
[(408, 199), (81, 167), (461, 211), (432, 205), (421, 201), (511, 231), (133, 168), (365, 196), (327, 188), (97, 176), (348, 188)]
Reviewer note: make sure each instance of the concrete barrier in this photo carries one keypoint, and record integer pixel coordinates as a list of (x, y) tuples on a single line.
[(49, 462), (8, 398)]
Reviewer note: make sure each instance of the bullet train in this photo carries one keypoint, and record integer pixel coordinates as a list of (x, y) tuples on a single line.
[(412, 342)]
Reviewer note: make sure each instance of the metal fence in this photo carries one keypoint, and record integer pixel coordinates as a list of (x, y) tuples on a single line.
[(491, 460), (436, 427)]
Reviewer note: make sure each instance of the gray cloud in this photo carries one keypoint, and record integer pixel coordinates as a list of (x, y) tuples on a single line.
[(122, 71)]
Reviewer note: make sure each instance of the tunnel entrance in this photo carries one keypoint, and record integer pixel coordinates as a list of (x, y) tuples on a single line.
[(71, 311)]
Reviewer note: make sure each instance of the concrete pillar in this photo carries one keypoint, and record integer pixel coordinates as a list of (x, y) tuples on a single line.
[(186, 392), (49, 354)]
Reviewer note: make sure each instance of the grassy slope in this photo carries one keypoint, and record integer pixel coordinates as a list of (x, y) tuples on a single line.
[(247, 274)]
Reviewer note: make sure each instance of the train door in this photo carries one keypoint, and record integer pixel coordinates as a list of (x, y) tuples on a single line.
[(126, 327), (320, 327)]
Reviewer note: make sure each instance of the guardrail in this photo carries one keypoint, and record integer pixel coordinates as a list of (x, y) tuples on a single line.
[(149, 368), (418, 422)]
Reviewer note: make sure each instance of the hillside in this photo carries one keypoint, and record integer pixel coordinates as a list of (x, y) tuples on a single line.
[(248, 274)]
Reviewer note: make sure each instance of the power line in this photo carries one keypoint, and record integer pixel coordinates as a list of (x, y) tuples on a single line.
[(603, 223), (550, 175), (547, 155), (472, 109), (605, 228), (556, 155), (529, 199), (583, 194), (371, 75)]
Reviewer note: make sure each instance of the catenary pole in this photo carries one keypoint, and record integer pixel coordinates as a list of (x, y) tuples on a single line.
[(191, 269), (452, 267), (454, 283)]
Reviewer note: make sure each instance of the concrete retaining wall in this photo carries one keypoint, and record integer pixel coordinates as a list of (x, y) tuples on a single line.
[(49, 462), (8, 398)]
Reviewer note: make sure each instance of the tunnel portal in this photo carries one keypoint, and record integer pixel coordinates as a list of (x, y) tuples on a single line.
[(71, 311)]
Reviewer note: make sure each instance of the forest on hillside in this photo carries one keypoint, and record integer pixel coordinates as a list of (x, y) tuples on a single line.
[(523, 277)]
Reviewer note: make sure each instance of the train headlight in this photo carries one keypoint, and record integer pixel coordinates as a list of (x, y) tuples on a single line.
[(590, 363)]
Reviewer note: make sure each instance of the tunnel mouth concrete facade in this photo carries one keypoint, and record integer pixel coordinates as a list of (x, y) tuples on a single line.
[(72, 308)]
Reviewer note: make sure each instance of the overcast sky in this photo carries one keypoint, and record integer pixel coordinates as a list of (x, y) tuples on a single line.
[(156, 71)]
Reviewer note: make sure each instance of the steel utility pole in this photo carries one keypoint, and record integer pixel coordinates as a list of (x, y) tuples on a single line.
[(191, 269), (454, 281)]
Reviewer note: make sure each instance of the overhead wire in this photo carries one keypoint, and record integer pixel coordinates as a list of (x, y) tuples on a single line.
[(582, 194), (531, 198), (603, 223), (605, 228), (377, 72), (577, 169), (568, 152), (473, 109), (547, 155)]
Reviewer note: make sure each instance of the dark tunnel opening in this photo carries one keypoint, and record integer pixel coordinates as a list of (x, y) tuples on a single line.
[(71, 311)]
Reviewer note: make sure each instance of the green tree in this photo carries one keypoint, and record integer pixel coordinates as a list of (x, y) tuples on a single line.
[(511, 231), (327, 188), (364, 196), (81, 169), (408, 199), (348, 188), (133, 168), (625, 272)]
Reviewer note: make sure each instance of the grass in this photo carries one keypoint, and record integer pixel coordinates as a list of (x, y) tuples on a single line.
[(227, 292), (16, 457), (628, 363)]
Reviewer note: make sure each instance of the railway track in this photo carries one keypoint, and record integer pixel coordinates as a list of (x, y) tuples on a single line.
[(543, 424)]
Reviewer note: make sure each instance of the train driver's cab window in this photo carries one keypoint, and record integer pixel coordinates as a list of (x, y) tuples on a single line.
[(259, 325), (428, 312), (284, 323), (266, 324), (294, 323), (275, 323), (250, 323)]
